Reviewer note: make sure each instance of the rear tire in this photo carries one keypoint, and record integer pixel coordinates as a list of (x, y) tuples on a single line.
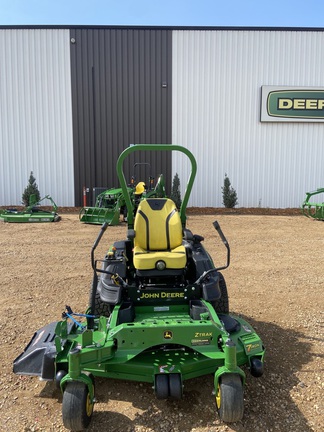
[(222, 305), (77, 407), (101, 308), (229, 398)]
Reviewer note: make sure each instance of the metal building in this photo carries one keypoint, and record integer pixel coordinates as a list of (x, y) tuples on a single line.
[(72, 98), (36, 114)]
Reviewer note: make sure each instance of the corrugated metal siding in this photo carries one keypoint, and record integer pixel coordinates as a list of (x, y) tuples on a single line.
[(217, 79), (35, 114), (118, 100)]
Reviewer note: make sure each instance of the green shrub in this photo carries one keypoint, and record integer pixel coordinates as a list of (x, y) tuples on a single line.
[(31, 189), (229, 194), (175, 191)]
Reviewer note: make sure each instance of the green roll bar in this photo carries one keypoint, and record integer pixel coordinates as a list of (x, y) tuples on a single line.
[(155, 147)]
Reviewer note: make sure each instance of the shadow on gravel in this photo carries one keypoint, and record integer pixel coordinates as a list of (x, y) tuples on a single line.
[(268, 404)]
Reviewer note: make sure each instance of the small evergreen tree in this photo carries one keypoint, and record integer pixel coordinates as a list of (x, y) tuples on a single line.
[(31, 189), (229, 194), (175, 191)]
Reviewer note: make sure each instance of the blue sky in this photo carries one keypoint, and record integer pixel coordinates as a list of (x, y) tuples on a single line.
[(244, 13)]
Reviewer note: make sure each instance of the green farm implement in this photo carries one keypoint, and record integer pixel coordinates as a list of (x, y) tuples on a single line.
[(32, 213), (158, 313), (111, 204), (313, 206)]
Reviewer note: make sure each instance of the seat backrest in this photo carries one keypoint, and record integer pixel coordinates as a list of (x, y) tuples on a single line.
[(157, 225)]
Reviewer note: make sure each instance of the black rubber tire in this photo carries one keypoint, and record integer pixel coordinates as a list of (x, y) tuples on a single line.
[(222, 305), (229, 398), (101, 308), (162, 390), (58, 377), (175, 386), (77, 409), (256, 367)]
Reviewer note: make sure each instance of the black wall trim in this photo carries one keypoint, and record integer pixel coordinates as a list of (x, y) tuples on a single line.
[(104, 27)]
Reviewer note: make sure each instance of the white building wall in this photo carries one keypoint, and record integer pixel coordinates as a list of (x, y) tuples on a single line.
[(35, 114), (216, 85)]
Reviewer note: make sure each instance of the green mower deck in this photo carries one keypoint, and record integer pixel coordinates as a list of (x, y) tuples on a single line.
[(158, 313), (173, 342), (32, 213)]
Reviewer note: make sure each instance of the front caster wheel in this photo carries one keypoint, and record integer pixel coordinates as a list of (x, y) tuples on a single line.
[(162, 386), (229, 398), (256, 367), (175, 386), (77, 407)]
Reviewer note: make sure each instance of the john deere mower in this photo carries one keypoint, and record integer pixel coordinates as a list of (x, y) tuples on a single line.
[(158, 313), (32, 213)]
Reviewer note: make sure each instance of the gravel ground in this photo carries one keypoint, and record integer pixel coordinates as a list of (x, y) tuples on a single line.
[(275, 281)]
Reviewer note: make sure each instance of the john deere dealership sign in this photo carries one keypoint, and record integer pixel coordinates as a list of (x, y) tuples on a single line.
[(292, 104)]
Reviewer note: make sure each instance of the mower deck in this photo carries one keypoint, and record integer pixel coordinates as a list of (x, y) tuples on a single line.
[(153, 343), (23, 217), (31, 213)]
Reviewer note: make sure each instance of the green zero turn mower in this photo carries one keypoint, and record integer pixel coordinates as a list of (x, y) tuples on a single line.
[(158, 313), (32, 213)]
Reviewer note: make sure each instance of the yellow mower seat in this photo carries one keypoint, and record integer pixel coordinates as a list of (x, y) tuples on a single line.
[(158, 235)]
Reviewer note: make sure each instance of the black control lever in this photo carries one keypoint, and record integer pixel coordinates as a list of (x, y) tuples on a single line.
[(224, 240), (101, 233)]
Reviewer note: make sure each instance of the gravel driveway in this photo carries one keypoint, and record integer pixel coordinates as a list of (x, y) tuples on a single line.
[(275, 281)]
